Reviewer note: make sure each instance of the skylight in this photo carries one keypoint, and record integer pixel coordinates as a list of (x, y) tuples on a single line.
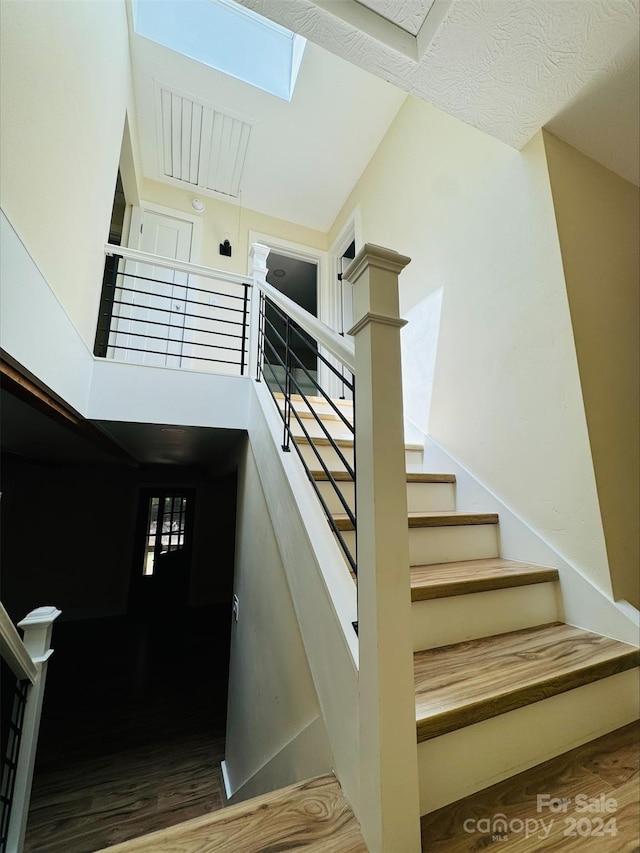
[(227, 37)]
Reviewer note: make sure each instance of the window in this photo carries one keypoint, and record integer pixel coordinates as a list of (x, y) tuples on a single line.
[(165, 531), (227, 37)]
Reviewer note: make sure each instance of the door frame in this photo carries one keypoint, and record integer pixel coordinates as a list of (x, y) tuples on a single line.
[(311, 256), (137, 212)]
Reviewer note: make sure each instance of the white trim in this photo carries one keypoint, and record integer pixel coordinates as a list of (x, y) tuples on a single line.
[(323, 283), (195, 220), (228, 791), (301, 253), (173, 264), (351, 232)]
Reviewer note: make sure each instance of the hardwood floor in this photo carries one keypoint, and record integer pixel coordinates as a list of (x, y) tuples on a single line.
[(132, 733), (603, 775), (312, 817)]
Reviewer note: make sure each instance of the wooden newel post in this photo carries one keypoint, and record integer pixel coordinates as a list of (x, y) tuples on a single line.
[(37, 627), (389, 810)]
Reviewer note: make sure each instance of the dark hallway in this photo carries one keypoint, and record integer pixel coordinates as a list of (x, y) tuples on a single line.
[(133, 728)]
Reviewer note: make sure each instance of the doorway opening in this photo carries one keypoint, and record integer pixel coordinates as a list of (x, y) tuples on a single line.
[(297, 279)]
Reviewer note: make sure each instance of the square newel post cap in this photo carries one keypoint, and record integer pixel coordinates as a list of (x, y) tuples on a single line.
[(374, 274), (258, 254), (371, 255), (40, 616), (37, 627)]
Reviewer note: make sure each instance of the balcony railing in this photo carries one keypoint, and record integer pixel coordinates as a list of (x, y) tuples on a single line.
[(167, 313)]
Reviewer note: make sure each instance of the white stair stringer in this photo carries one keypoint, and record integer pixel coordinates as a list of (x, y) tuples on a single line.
[(470, 759)]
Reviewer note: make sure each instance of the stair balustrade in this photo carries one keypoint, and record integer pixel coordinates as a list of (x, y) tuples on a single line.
[(387, 807), (155, 310), (27, 659)]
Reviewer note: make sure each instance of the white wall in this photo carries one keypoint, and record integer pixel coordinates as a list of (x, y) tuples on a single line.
[(477, 219), (272, 699), (35, 330), (66, 87)]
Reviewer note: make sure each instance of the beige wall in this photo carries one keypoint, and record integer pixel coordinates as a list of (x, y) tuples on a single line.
[(597, 214), (66, 86), (220, 217), (477, 219)]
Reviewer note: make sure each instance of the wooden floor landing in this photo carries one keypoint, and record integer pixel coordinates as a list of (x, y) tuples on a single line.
[(607, 766), (311, 817)]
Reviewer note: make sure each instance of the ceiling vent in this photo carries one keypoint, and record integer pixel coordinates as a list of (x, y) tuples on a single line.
[(200, 145)]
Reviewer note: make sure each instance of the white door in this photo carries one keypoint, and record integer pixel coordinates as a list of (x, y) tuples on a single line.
[(149, 311)]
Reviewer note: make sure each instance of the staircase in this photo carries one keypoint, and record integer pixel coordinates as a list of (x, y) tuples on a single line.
[(501, 683)]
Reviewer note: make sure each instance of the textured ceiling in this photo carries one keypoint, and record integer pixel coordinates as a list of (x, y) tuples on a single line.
[(506, 67), (407, 14)]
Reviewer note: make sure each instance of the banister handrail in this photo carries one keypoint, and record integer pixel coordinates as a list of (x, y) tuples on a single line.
[(173, 264), (14, 651), (318, 330)]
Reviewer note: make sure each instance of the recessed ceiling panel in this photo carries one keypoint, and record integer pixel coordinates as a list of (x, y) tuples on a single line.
[(200, 145)]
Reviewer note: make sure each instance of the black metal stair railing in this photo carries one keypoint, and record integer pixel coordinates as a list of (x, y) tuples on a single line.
[(183, 324), (11, 750), (286, 355)]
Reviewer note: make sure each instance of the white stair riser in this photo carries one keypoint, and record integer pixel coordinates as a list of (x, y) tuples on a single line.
[(473, 758), (336, 429), (323, 408), (450, 544), (446, 544), (421, 497), (413, 458), (443, 621)]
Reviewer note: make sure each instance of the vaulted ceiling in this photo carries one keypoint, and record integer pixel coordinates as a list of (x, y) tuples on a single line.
[(507, 67)]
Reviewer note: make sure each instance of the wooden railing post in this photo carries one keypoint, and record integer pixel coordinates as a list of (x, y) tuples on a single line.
[(37, 627), (389, 811)]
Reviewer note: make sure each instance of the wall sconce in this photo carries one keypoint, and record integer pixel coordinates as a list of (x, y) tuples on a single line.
[(225, 247), (197, 205)]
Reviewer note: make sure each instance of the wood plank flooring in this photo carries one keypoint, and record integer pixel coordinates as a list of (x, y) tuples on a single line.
[(135, 745), (607, 766), (310, 817), (462, 684), (442, 580)]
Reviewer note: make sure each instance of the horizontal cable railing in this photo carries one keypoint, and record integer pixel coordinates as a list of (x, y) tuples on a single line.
[(170, 319)]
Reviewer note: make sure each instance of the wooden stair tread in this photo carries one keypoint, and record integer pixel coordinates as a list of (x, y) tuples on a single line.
[(344, 476), (432, 519), (465, 683), (442, 580), (313, 815)]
